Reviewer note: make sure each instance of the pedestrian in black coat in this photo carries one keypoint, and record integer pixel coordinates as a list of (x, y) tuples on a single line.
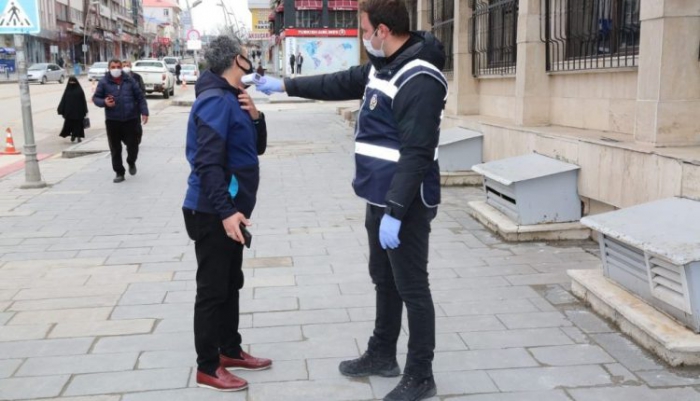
[(73, 108)]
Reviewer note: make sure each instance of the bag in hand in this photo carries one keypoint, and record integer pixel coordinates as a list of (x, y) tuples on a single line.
[(86, 122)]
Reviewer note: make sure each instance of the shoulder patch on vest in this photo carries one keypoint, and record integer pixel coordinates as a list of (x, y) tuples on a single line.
[(373, 102)]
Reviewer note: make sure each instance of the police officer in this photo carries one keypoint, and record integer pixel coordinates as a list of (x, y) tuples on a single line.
[(397, 173)]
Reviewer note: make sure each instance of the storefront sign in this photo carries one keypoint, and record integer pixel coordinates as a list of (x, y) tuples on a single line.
[(320, 32)]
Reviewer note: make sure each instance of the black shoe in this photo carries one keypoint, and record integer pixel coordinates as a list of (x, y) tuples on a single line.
[(368, 365), (411, 389), (72, 139), (80, 140), (132, 169), (118, 179)]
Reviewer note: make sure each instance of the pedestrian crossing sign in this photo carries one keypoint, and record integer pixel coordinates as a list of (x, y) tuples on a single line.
[(19, 17)]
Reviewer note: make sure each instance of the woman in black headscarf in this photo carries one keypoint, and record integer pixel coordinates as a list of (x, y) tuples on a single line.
[(73, 108)]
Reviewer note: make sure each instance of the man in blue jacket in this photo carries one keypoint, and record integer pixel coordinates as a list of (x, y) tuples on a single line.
[(225, 135), (123, 101), (397, 173)]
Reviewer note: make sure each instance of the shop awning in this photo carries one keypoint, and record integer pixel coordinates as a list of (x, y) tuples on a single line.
[(350, 5), (308, 4)]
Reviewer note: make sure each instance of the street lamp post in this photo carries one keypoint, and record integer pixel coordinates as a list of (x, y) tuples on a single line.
[(85, 28)]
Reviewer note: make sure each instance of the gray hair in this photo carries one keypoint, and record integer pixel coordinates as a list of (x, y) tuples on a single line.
[(221, 52)]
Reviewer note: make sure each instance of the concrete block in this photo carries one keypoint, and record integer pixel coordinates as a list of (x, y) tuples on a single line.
[(482, 359), (515, 338), (570, 355), (62, 316), (32, 387), (62, 365), (655, 331), (121, 382), (107, 328), (318, 390), (499, 223), (633, 393), (534, 379), (300, 317)]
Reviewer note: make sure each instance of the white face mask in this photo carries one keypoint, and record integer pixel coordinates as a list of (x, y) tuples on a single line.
[(116, 72), (370, 49), (126, 70)]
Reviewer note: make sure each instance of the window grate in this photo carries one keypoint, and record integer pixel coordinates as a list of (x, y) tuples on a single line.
[(590, 34), (442, 22), (493, 46)]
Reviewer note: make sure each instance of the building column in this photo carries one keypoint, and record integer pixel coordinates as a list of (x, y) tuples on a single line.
[(424, 15), (668, 86), (531, 80), (464, 86)]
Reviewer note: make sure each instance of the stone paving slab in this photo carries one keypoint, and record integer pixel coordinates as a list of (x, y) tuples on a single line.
[(119, 283)]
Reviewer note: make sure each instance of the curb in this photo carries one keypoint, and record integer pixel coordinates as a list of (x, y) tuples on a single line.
[(76, 151)]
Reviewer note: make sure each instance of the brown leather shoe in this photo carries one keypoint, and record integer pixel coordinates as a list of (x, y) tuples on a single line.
[(247, 363), (224, 381)]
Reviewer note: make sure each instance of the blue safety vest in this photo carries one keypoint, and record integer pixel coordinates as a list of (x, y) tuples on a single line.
[(377, 141)]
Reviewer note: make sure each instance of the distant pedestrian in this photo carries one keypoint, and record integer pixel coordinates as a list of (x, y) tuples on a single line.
[(73, 108), (123, 100), (61, 63), (292, 62), (178, 69), (225, 135), (300, 61)]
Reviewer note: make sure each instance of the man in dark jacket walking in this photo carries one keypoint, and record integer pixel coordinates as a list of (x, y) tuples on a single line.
[(397, 173), (225, 135), (292, 62), (126, 69), (123, 101)]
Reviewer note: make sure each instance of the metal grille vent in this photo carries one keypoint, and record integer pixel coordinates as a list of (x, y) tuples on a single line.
[(668, 283), (625, 257), (501, 197)]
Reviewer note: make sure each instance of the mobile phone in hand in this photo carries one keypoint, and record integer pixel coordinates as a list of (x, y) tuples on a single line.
[(247, 236)]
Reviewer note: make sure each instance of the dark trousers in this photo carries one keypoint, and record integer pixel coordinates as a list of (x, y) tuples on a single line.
[(298, 68), (126, 132), (400, 277), (292, 65), (219, 277)]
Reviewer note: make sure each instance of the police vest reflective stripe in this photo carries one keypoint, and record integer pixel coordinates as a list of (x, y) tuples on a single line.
[(381, 152), (377, 141)]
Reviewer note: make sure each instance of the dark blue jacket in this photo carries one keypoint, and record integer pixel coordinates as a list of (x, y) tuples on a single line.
[(416, 111), (129, 100), (222, 146)]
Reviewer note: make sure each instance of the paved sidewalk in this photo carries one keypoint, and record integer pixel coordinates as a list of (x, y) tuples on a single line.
[(97, 287)]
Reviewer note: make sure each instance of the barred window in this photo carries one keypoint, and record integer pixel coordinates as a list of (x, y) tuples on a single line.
[(343, 19), (494, 28), (308, 18), (442, 21), (591, 34)]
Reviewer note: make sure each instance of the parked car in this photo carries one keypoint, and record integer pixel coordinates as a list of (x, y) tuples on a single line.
[(171, 62), (97, 71), (45, 72), (189, 73), (156, 77)]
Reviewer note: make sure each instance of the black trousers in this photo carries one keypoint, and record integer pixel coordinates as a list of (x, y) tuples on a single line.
[(219, 277), (400, 277), (126, 132)]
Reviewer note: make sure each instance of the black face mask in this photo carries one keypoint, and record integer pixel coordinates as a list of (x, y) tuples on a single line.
[(248, 70)]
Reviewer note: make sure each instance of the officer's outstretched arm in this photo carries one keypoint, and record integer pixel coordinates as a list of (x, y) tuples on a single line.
[(343, 85)]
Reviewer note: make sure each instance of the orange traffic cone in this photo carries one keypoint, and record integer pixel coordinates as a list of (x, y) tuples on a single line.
[(10, 145)]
